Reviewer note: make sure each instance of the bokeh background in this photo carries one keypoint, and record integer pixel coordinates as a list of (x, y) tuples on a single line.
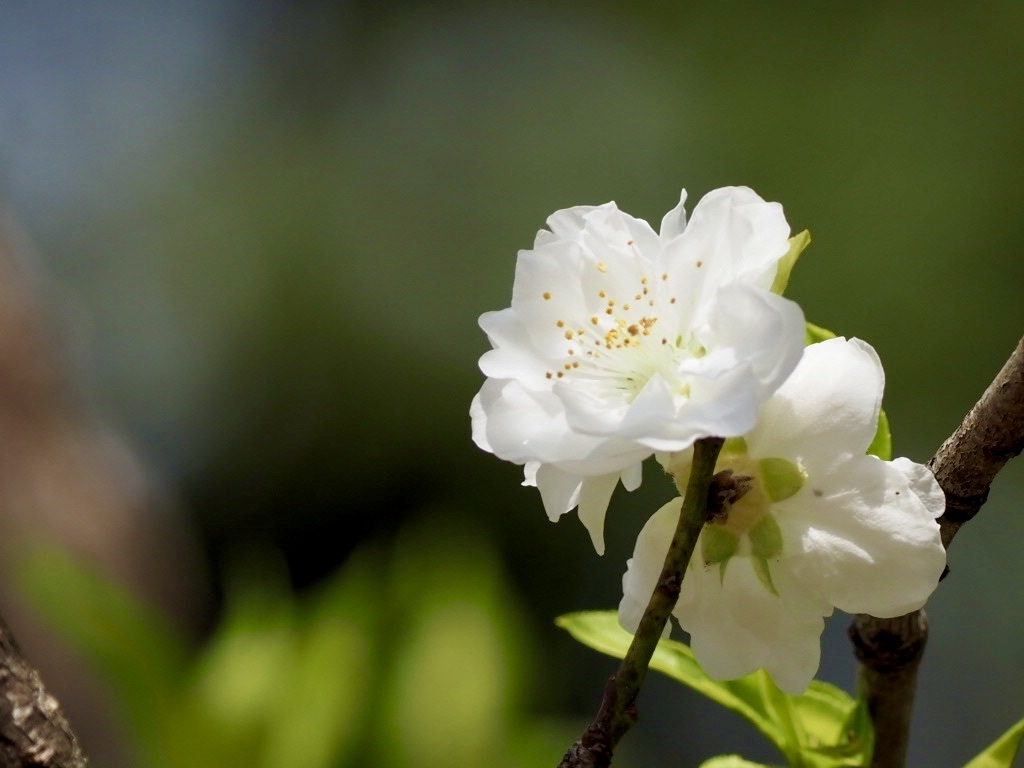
[(260, 234)]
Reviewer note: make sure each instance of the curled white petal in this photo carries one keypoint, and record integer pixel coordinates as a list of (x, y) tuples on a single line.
[(923, 483), (827, 409)]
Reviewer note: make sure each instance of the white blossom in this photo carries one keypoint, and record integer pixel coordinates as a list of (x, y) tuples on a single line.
[(622, 341), (822, 526)]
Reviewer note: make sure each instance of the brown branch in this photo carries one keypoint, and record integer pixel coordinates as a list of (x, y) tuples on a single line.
[(889, 651), (33, 730), (617, 714), (990, 435), (965, 465)]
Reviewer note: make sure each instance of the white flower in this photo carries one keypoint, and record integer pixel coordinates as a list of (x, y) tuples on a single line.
[(823, 525), (621, 341)]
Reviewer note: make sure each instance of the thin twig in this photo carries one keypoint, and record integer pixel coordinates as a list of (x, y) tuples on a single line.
[(965, 465), (617, 714)]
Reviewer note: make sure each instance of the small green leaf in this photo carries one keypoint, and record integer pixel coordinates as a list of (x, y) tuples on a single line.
[(731, 761), (600, 630), (1001, 753), (815, 333), (797, 243), (881, 444)]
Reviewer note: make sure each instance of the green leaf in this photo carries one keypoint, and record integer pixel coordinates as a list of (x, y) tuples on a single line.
[(334, 642), (600, 630), (797, 243), (881, 444), (134, 648), (1001, 753), (821, 728), (815, 333), (731, 761)]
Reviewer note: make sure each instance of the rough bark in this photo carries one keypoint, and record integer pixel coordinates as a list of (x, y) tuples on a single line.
[(965, 465), (33, 730)]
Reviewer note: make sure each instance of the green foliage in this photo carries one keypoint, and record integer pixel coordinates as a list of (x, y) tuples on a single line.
[(821, 728), (730, 761), (129, 644), (881, 443), (797, 244), (814, 333), (394, 661), (1002, 752)]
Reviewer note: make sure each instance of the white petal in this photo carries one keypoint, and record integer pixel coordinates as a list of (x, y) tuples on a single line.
[(826, 410), (514, 355), (568, 223), (737, 626), (653, 419), (560, 491), (862, 539), (478, 420), (519, 425), (923, 483), (632, 477), (734, 235), (761, 330), (674, 222), (610, 227), (644, 568), (595, 494)]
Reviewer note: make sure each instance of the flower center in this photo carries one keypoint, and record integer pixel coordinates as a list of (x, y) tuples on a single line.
[(624, 341), (741, 521)]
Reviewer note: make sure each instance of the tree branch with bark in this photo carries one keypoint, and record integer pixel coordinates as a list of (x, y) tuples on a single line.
[(965, 465), (33, 730)]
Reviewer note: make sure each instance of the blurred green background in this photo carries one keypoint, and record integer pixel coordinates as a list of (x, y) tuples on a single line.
[(271, 227)]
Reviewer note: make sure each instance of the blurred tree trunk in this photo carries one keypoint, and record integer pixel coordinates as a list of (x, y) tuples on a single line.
[(67, 479)]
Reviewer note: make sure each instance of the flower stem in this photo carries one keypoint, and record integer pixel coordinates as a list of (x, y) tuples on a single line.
[(617, 714)]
